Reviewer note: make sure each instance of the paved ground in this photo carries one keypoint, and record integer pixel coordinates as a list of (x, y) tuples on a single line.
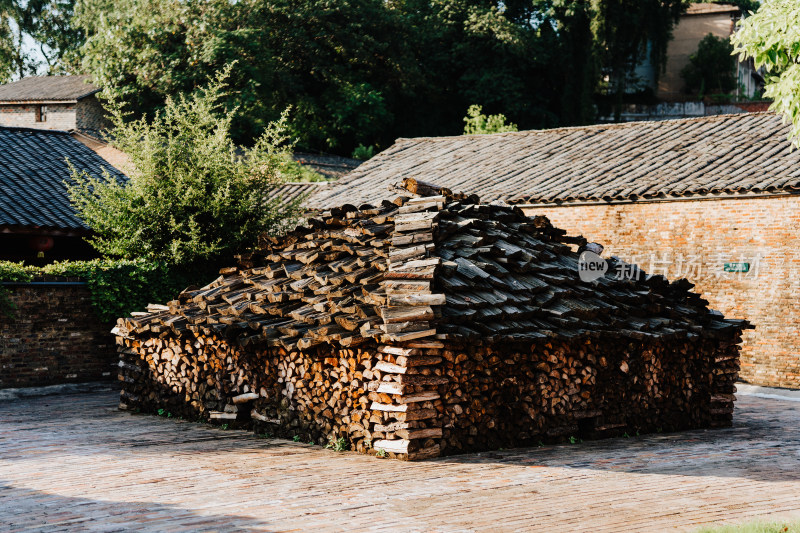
[(75, 463)]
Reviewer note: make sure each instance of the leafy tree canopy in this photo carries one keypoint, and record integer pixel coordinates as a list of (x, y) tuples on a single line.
[(356, 72), (47, 24), (627, 32), (339, 63), (771, 37), (193, 196)]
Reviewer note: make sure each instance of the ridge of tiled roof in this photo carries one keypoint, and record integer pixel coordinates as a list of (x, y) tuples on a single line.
[(47, 89), (715, 155), (447, 268), (330, 166), (33, 167), (701, 8)]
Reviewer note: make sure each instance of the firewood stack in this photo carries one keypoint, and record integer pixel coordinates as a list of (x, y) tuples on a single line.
[(428, 326)]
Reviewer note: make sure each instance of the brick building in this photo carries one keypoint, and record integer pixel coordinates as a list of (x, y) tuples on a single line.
[(53, 103), (699, 20), (672, 100), (713, 199), (37, 222)]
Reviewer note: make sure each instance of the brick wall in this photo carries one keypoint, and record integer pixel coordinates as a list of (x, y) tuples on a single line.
[(695, 239), (90, 115), (59, 116), (54, 337)]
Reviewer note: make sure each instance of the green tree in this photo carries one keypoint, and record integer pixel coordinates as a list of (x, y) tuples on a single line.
[(44, 24), (339, 63), (364, 72), (578, 70), (476, 123), (628, 31), (475, 51), (771, 38), (712, 68), (193, 196), (599, 44), (49, 25), (14, 61)]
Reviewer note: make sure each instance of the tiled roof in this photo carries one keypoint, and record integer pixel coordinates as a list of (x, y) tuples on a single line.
[(723, 154), (47, 89), (330, 166), (707, 9), (294, 191), (33, 168)]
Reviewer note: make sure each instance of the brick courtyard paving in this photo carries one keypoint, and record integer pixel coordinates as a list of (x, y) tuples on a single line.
[(75, 463)]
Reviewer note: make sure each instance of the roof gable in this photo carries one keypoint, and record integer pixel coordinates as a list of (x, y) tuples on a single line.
[(33, 168), (724, 154), (47, 89)]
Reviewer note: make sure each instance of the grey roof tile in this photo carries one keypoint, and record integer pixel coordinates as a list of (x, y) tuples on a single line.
[(330, 166), (47, 88), (33, 167), (291, 192), (723, 154)]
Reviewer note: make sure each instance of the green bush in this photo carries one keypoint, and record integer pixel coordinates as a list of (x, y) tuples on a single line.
[(193, 195), (364, 152), (16, 271), (478, 123), (292, 171), (118, 287)]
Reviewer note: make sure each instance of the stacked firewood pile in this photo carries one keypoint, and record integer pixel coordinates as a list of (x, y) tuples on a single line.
[(556, 390), (434, 324)]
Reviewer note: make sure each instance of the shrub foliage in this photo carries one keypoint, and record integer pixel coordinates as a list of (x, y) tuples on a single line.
[(193, 195), (476, 123), (118, 287)]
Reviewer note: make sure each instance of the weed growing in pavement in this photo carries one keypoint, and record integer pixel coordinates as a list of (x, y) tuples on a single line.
[(337, 445)]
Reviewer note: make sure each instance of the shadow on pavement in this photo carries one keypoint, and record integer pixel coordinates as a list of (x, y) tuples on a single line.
[(32, 510), (763, 445)]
